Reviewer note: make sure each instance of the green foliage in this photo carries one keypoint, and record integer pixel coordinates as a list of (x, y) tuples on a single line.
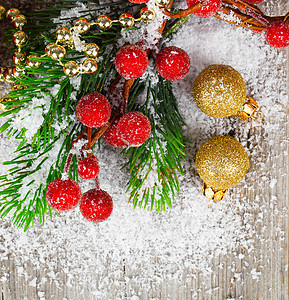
[(154, 166)]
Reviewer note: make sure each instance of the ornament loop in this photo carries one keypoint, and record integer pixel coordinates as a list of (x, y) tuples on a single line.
[(210, 194), (249, 108)]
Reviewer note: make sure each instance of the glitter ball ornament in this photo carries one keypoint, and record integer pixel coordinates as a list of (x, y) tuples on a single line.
[(96, 205), (277, 34), (112, 136), (63, 194), (138, 1), (221, 162), (220, 91), (134, 128), (93, 110), (71, 68), (173, 63), (131, 61), (88, 168), (210, 7)]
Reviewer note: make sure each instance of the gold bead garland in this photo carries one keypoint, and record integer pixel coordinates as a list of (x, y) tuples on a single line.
[(19, 39)]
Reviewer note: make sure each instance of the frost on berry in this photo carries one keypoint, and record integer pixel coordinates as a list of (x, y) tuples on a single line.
[(138, 1), (88, 168), (277, 34), (131, 61), (210, 7), (134, 127), (113, 138), (173, 63), (96, 205), (63, 194), (93, 110)]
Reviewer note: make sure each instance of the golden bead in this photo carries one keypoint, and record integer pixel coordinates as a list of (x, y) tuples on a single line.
[(91, 50), (8, 75), (82, 25), (17, 86), (32, 62), (162, 3), (18, 58), (2, 70), (222, 162), (63, 34), (126, 20), (12, 13), (220, 91), (147, 14), (89, 66), (104, 22), (57, 52), (49, 47), (20, 38), (71, 68), (19, 21), (2, 12), (17, 72)]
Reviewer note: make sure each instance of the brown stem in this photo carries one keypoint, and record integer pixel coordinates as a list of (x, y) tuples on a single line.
[(192, 9), (89, 131), (243, 5)]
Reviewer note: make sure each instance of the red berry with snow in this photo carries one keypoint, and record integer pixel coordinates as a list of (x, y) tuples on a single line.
[(210, 7), (113, 138), (131, 61), (96, 205), (93, 110), (138, 1), (277, 34), (88, 168), (134, 127), (63, 194), (173, 63), (253, 1)]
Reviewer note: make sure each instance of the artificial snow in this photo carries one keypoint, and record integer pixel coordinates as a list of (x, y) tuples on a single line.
[(157, 246)]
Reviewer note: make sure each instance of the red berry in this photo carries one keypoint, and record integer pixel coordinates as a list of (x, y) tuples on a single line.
[(210, 7), (258, 31), (277, 34), (131, 61), (88, 168), (134, 127), (138, 1), (93, 110), (113, 138), (96, 205), (63, 194), (173, 63), (253, 1)]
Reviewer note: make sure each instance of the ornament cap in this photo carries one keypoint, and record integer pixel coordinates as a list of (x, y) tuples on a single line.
[(249, 108), (214, 195)]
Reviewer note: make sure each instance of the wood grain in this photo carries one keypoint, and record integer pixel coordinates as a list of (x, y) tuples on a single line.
[(270, 257)]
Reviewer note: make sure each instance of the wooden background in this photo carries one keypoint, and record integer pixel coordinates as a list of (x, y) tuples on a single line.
[(270, 257)]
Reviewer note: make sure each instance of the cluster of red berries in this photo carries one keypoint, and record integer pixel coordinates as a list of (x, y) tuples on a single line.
[(172, 63), (64, 194)]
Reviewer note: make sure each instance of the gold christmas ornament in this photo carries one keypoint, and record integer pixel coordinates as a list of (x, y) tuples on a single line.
[(32, 62), (18, 58), (2, 12), (12, 13), (57, 52), (71, 68), (91, 50), (147, 14), (89, 66), (49, 47), (17, 72), (221, 162), (20, 38), (82, 25), (19, 21), (162, 3), (126, 20), (63, 34), (104, 22), (8, 75), (220, 91)]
